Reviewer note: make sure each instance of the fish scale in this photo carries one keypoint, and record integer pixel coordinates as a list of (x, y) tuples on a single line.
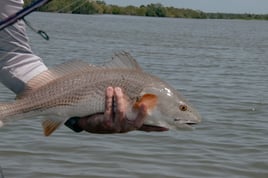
[(89, 90)]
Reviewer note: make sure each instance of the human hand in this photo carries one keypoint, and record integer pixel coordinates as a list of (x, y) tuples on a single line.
[(113, 120)]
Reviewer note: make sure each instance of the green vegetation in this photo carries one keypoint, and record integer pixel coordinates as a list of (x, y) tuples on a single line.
[(152, 10)]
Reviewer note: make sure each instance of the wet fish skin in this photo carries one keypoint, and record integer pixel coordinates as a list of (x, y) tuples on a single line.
[(77, 89)]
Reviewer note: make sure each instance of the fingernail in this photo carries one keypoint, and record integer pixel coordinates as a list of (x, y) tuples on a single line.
[(117, 89), (109, 89)]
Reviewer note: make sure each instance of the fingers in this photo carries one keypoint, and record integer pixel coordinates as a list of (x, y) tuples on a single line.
[(114, 116), (114, 95), (114, 120), (120, 104), (109, 102)]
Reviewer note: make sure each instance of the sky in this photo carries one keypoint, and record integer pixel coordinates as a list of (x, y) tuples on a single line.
[(226, 6)]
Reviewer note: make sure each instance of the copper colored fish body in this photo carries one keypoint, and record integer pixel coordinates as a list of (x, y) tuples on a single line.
[(77, 89)]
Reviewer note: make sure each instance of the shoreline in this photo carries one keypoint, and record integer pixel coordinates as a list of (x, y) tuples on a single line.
[(150, 10)]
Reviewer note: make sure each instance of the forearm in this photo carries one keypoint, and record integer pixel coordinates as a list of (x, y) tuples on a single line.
[(17, 62)]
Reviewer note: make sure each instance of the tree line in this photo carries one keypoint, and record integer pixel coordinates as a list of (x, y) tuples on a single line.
[(151, 10)]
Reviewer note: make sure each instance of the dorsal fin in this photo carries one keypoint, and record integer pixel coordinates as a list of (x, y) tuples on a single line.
[(53, 73), (123, 60), (71, 67)]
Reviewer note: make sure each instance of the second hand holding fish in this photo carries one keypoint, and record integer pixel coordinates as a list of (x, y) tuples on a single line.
[(113, 120)]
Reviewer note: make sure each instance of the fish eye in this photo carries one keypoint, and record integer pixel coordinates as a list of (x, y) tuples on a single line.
[(183, 107)]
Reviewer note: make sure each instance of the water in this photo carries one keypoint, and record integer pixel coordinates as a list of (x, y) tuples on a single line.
[(220, 66)]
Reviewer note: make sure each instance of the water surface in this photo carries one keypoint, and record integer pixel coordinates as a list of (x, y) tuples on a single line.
[(220, 66)]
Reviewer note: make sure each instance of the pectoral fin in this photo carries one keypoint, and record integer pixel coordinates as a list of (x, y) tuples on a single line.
[(49, 126), (149, 100)]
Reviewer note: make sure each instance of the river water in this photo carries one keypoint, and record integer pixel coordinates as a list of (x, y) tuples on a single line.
[(220, 66)]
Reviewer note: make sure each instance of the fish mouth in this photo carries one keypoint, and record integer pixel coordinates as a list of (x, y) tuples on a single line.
[(190, 125), (152, 128), (186, 124)]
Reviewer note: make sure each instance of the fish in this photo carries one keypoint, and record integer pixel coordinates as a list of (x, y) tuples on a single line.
[(76, 89)]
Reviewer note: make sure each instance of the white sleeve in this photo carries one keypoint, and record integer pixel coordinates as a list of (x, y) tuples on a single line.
[(18, 64)]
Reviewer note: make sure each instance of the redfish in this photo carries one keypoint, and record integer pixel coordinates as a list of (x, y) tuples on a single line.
[(76, 89)]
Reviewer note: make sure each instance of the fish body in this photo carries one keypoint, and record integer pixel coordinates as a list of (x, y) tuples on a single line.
[(77, 89)]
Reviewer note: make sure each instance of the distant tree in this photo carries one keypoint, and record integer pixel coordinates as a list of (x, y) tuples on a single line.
[(107, 9), (116, 9), (141, 11), (87, 8), (130, 10), (98, 6), (155, 10)]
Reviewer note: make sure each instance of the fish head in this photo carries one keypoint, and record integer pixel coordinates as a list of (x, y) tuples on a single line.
[(171, 110)]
